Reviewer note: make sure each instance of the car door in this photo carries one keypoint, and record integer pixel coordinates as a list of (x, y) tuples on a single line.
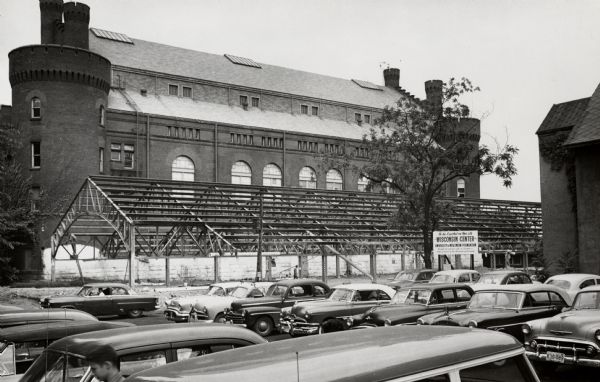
[(99, 303), (121, 301)]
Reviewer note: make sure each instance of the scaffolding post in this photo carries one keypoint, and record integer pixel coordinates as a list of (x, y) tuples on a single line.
[(131, 256), (337, 267), (324, 264), (260, 239), (217, 268), (167, 271), (373, 263)]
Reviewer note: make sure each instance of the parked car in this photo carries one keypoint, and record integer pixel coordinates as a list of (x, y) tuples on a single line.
[(410, 304), (211, 306), (456, 276), (105, 299), (573, 282), (30, 340), (410, 277), (571, 337), (9, 308), (505, 277), (39, 316), (138, 349), (398, 353), (263, 314), (331, 314), (505, 308)]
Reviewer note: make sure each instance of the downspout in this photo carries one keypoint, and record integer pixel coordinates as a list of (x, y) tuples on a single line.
[(147, 145), (283, 164), (216, 136)]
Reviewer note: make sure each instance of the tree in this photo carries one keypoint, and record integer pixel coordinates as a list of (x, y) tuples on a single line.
[(416, 149)]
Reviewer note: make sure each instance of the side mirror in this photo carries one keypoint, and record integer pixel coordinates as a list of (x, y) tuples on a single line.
[(8, 364)]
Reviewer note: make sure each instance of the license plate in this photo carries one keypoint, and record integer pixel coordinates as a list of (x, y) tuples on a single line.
[(555, 357)]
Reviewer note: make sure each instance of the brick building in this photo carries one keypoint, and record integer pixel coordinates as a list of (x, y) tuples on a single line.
[(569, 145), (90, 101)]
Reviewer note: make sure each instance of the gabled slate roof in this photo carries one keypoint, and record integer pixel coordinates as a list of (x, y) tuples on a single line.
[(588, 130), (172, 60), (564, 115)]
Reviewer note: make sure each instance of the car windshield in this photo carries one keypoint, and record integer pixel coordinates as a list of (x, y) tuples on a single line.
[(564, 284), (51, 366), (490, 279), (341, 294), (442, 279), (413, 296), (587, 300), (496, 300), (404, 276), (215, 290), (276, 290), (239, 292)]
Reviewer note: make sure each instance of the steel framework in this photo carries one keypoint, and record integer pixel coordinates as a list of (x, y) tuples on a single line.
[(156, 217)]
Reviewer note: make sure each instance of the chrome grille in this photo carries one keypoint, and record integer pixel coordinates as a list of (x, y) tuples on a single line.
[(565, 347)]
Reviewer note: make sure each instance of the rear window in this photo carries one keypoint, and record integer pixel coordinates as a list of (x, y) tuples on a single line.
[(564, 284), (133, 363), (506, 370)]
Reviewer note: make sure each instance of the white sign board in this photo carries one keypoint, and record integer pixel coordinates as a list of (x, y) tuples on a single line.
[(455, 243)]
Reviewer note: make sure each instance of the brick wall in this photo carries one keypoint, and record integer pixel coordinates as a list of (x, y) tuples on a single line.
[(588, 208)]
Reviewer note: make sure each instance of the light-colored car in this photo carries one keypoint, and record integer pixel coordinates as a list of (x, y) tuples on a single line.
[(213, 309), (570, 337), (456, 276), (573, 282), (505, 277)]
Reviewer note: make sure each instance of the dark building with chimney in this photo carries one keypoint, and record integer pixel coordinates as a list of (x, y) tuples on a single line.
[(569, 147), (90, 101)]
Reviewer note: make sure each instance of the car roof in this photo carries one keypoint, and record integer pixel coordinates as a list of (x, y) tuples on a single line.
[(228, 284), (437, 286), (53, 314), (504, 272), (416, 270), (362, 286), (375, 354), (124, 338), (106, 285), (527, 288), (289, 282), (573, 276), (57, 329), (454, 272)]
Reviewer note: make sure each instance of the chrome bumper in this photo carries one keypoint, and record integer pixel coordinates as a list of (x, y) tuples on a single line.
[(298, 328), (569, 360), (174, 315)]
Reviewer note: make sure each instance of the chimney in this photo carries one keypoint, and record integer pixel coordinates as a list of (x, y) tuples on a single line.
[(77, 21), (51, 14), (433, 90), (391, 77)]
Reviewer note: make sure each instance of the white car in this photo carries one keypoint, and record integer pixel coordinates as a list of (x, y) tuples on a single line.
[(573, 282), (466, 276), (178, 308)]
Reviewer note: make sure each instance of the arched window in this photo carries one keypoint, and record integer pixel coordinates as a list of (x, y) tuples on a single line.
[(387, 187), (182, 169), (36, 108), (272, 175), (308, 178), (363, 182), (241, 173), (460, 188), (102, 116), (334, 180)]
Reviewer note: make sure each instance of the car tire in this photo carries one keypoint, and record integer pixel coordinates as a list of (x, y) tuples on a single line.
[(136, 313), (219, 318), (263, 326), (331, 325)]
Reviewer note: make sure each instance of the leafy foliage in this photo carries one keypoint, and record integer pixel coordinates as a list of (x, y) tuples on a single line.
[(552, 149)]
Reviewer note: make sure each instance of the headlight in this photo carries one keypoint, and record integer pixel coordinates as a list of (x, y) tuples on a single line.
[(597, 335), (349, 321), (387, 322), (244, 312), (307, 315), (472, 324), (533, 344)]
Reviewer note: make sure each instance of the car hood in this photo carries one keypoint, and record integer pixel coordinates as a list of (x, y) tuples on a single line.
[(223, 301), (315, 307), (574, 323), (463, 317), (395, 311), (260, 301), (191, 300)]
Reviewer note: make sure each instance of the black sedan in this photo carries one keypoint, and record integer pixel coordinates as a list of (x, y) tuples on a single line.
[(410, 304)]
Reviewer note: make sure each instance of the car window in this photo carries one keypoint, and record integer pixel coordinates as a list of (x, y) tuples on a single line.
[(513, 279), (29, 350), (475, 276), (564, 284), (118, 291), (381, 295), (464, 278), (437, 378), (300, 291), (597, 281), (462, 295), (368, 295), (587, 283), (525, 279), (76, 368), (319, 290), (506, 370), (557, 300), (133, 363), (423, 276), (447, 296), (199, 350), (539, 299)]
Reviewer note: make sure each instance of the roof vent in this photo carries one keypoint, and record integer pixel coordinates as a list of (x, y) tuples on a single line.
[(120, 37), (243, 61), (366, 85)]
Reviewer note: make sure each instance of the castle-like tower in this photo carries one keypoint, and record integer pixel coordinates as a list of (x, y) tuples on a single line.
[(59, 94)]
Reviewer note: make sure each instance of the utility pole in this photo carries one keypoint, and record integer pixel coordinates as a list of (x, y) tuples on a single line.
[(260, 238)]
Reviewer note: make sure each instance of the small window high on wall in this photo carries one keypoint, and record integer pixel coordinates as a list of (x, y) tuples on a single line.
[(460, 188), (182, 168), (363, 182), (36, 108), (241, 173)]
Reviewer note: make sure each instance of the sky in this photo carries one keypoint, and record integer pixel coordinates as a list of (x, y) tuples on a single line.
[(524, 55)]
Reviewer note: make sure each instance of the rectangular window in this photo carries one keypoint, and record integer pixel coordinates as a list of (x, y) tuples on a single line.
[(269, 142), (305, 146), (101, 159), (263, 141), (115, 152), (36, 157), (310, 146), (255, 102), (128, 159), (190, 133), (315, 110), (198, 134), (176, 132), (316, 147), (251, 140), (187, 92), (169, 132), (232, 138), (367, 118), (243, 100), (304, 109), (239, 139), (299, 145), (245, 139), (174, 90), (357, 118)]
